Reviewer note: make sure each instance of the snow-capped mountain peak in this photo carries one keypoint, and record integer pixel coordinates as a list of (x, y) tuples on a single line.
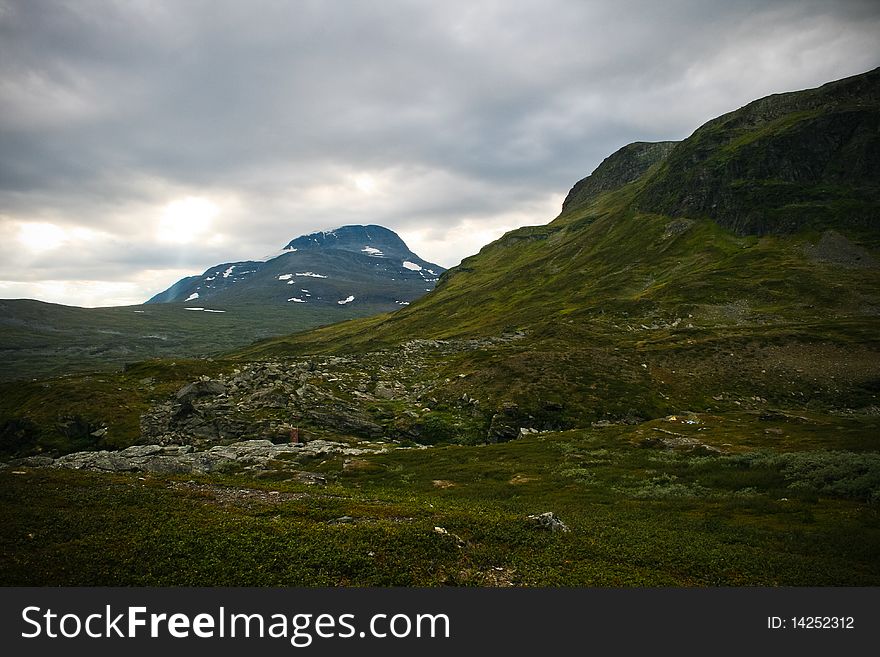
[(346, 266)]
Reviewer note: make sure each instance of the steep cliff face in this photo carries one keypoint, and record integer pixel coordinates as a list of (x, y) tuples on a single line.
[(621, 167), (807, 159)]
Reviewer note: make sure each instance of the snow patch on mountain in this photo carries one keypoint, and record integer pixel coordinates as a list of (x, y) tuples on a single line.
[(277, 254)]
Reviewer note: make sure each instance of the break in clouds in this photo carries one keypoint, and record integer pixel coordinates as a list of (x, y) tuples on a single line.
[(144, 141)]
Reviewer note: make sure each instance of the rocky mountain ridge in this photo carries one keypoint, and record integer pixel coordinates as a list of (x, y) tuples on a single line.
[(625, 165), (784, 163)]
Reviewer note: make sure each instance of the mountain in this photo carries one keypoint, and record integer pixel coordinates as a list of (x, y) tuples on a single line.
[(354, 266), (307, 285)]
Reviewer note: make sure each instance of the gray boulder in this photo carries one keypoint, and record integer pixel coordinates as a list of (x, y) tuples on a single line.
[(548, 521), (101, 461), (198, 389), (32, 462)]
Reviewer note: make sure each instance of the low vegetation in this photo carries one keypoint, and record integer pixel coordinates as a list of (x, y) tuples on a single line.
[(639, 514)]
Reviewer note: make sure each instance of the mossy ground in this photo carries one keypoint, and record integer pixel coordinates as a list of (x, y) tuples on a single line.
[(639, 514)]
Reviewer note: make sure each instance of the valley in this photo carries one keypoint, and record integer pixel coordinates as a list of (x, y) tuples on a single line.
[(682, 369)]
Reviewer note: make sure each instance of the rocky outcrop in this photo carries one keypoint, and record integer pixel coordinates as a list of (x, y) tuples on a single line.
[(183, 459), (202, 388), (781, 163), (243, 405), (622, 167), (836, 250), (387, 394), (507, 423)]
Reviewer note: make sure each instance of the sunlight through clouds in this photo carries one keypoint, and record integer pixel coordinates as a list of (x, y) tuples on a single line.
[(365, 183), (38, 237), (186, 220)]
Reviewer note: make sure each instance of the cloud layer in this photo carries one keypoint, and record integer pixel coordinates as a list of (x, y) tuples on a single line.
[(142, 141)]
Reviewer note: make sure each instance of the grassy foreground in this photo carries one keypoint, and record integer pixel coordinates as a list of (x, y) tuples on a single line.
[(775, 510)]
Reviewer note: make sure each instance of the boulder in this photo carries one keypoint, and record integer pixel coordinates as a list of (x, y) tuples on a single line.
[(206, 462), (101, 461), (141, 450), (383, 391), (506, 423), (163, 465), (198, 389), (548, 521), (32, 462)]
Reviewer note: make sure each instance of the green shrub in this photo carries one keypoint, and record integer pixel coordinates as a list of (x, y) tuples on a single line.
[(854, 475)]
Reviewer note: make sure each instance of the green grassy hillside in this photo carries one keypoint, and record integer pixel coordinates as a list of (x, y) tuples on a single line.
[(628, 312)]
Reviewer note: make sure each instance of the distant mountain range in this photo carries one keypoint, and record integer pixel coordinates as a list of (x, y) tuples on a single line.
[(349, 266)]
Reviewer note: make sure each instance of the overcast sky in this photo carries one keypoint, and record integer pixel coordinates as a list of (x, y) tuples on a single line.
[(142, 141)]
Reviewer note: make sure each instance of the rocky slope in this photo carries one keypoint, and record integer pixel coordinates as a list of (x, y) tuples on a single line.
[(621, 167)]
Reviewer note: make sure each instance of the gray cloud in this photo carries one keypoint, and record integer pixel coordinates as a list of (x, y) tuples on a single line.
[(464, 115)]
